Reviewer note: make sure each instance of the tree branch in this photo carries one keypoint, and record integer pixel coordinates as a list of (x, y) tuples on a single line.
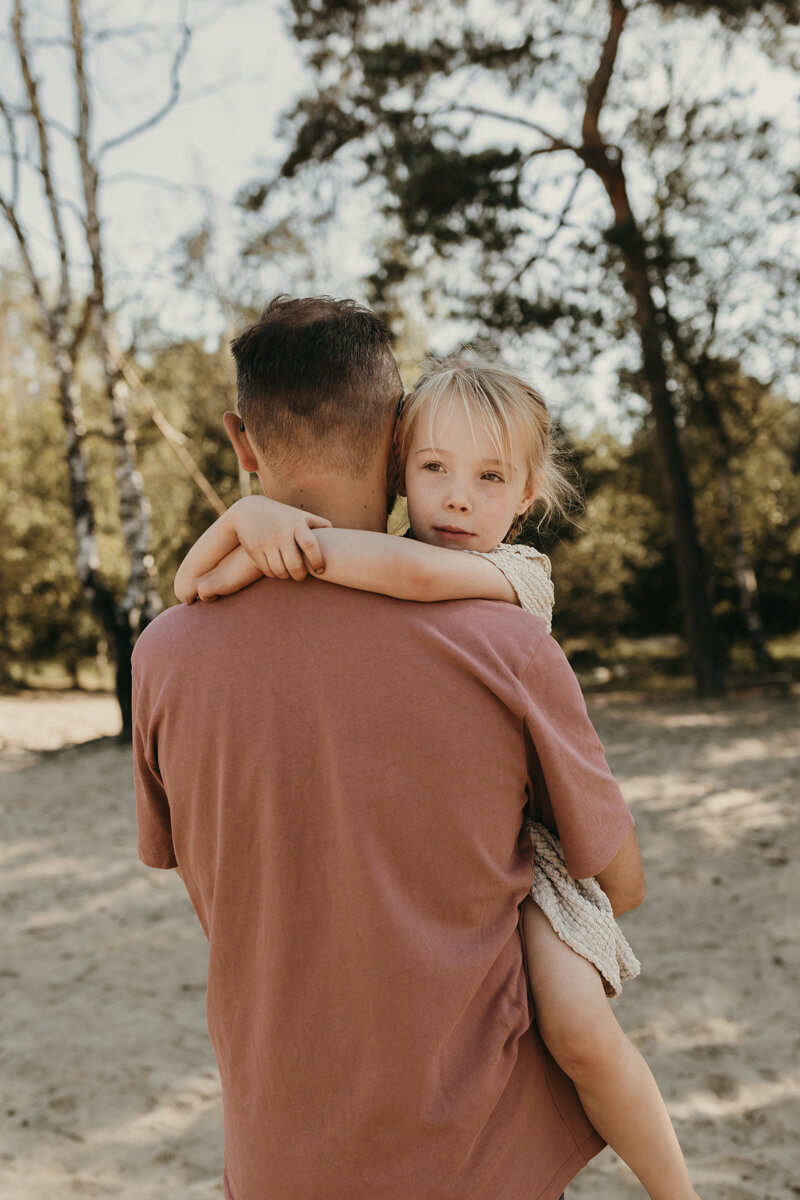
[(88, 170), (45, 167), (598, 88), (179, 189), (172, 99), (545, 243), (10, 214), (14, 152), (81, 326), (176, 440), (554, 143)]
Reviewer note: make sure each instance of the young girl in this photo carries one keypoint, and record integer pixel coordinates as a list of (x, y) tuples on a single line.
[(474, 451)]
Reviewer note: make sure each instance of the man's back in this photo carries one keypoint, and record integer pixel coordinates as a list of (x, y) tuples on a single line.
[(342, 778)]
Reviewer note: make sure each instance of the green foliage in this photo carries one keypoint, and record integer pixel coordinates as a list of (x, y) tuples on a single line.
[(193, 388), (615, 573), (42, 615), (764, 435), (613, 569)]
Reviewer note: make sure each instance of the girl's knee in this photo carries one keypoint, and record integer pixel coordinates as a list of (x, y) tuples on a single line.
[(582, 1038)]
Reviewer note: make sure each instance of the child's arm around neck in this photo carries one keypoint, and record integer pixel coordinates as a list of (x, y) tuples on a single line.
[(258, 536), (409, 570)]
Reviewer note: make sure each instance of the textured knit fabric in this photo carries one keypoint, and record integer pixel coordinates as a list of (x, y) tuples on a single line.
[(528, 572), (343, 779), (580, 912)]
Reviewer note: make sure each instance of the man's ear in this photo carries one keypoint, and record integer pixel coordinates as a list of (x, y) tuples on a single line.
[(397, 480), (236, 431)]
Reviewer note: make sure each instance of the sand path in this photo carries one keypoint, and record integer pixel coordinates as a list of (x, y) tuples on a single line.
[(108, 1082)]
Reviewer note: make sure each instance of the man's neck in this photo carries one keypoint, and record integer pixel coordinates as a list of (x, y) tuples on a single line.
[(347, 503)]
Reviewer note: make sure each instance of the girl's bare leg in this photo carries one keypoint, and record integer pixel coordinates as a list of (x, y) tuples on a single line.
[(615, 1084)]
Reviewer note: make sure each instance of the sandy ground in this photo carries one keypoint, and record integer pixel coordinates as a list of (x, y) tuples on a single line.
[(108, 1083)]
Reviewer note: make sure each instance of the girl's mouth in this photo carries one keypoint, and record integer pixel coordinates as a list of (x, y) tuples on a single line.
[(452, 531)]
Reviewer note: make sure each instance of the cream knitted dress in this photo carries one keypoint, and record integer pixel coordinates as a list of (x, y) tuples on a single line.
[(578, 909)]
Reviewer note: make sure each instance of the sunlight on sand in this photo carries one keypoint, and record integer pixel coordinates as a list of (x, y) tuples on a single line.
[(747, 1098), (113, 1086)]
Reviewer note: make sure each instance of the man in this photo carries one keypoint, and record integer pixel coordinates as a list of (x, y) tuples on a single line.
[(341, 779)]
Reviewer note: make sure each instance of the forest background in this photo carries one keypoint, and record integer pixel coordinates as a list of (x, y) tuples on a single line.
[(605, 194)]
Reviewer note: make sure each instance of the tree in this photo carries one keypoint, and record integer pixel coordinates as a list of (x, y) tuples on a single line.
[(707, 292), (463, 129), (42, 616), (73, 310)]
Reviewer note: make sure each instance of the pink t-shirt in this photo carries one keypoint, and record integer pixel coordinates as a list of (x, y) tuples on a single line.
[(341, 778)]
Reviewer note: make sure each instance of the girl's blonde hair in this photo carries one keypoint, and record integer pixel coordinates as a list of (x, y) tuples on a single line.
[(507, 408)]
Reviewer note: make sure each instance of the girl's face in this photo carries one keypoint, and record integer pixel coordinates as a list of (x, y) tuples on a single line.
[(459, 494)]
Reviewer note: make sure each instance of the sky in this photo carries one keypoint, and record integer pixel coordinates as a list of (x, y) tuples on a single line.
[(241, 71)]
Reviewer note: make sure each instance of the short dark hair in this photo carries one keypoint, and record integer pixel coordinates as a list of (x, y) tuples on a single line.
[(317, 381)]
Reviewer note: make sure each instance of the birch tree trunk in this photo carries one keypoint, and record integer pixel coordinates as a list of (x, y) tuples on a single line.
[(66, 320), (111, 615), (141, 601)]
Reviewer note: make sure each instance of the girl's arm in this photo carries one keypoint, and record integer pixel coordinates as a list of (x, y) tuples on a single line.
[(409, 570), (378, 562), (259, 536), (256, 536)]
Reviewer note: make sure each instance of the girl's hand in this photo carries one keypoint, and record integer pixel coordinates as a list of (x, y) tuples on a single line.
[(277, 538), (234, 572)]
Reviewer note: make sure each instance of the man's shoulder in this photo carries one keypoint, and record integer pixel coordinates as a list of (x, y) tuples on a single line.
[(169, 627), (505, 631)]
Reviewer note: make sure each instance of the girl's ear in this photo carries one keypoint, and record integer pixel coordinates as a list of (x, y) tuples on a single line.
[(527, 498)]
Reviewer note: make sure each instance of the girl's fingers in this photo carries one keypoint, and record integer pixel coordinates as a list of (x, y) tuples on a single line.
[(311, 549), (206, 590), (212, 585), (259, 561), (315, 522), (276, 564), (293, 561)]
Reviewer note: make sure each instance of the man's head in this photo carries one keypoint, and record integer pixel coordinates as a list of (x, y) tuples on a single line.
[(317, 387)]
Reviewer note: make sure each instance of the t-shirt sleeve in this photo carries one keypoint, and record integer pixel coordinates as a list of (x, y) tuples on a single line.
[(573, 792), (528, 572), (152, 807)]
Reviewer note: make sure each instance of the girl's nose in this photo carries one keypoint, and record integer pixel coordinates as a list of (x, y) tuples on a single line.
[(459, 502)]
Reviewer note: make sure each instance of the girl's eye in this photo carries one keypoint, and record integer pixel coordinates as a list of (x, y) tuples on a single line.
[(432, 466), (493, 477)]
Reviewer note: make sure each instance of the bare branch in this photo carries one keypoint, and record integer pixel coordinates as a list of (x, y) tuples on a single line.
[(554, 149), (172, 99), (14, 153), (88, 170), (58, 127), (45, 167), (174, 437), (111, 32), (46, 316), (179, 189), (546, 243), (82, 326), (554, 143)]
